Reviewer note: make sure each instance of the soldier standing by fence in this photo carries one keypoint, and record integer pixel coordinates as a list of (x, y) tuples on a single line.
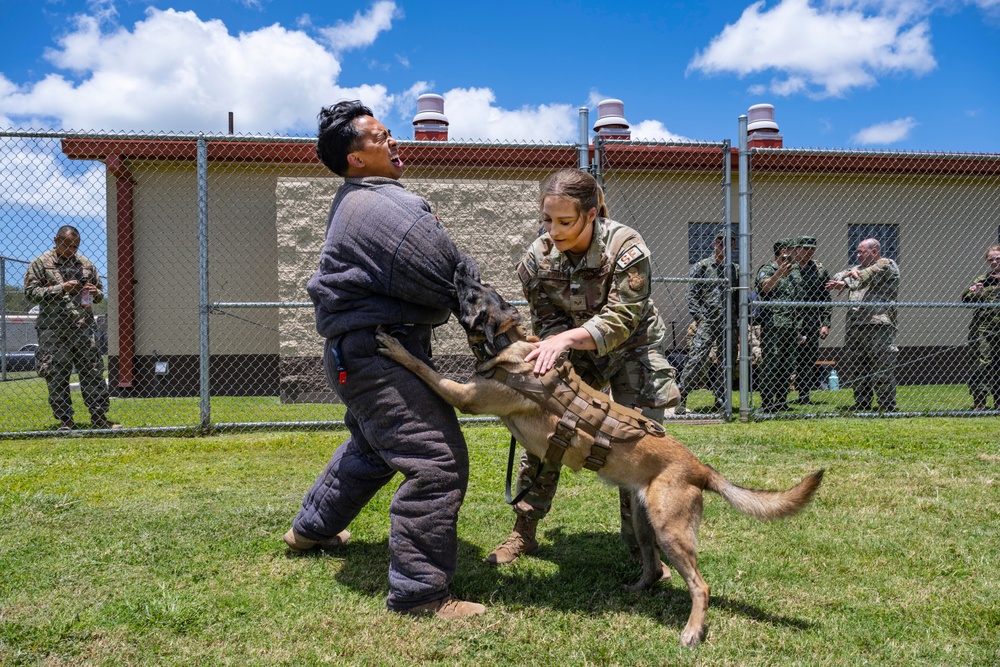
[(984, 334), (870, 341), (778, 280), (706, 302), (814, 322), (65, 285)]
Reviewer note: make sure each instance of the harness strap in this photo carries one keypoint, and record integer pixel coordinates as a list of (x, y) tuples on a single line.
[(598, 452), (510, 473), (560, 441)]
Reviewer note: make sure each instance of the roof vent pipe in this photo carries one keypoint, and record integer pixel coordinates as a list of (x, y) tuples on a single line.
[(611, 123), (430, 123), (762, 131)]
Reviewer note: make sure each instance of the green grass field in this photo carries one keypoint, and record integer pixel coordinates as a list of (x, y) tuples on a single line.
[(24, 407), (167, 551)]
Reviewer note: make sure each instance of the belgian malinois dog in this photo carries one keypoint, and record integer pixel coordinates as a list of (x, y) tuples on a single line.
[(662, 473)]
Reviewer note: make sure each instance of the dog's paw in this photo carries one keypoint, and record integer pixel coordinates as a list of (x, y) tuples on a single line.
[(691, 637), (388, 346)]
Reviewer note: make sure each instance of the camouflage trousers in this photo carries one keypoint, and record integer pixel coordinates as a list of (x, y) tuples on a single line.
[(871, 364), (699, 364), (808, 375), (59, 352), (984, 377), (779, 347), (644, 382)]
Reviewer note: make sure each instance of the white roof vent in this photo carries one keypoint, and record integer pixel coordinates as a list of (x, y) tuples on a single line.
[(611, 119), (430, 107), (761, 117)]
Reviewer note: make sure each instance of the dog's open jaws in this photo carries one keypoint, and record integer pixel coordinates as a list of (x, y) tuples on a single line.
[(666, 477)]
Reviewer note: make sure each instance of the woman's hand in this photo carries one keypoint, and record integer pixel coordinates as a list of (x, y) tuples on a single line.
[(547, 351)]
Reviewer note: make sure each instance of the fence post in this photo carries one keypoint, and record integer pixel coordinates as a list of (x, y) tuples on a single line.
[(3, 321), (203, 303), (727, 212), (584, 139), (744, 267)]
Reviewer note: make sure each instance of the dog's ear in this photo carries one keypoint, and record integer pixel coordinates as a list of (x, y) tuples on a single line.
[(467, 289), (481, 309)]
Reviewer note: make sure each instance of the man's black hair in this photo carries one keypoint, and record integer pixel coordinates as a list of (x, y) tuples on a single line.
[(337, 135), (66, 231)]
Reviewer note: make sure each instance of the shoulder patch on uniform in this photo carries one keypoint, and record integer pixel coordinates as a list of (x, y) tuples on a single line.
[(629, 257), (636, 281)]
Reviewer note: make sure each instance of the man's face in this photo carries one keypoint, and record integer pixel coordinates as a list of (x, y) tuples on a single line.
[(868, 254), (993, 258), (378, 154), (719, 253), (66, 246)]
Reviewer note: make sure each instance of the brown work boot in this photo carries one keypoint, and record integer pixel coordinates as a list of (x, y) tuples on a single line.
[(521, 541), (102, 422), (448, 608), (300, 544)]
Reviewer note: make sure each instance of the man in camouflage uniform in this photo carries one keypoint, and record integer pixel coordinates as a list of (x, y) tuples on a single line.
[(870, 340), (778, 280), (65, 284), (814, 322), (706, 302), (984, 334), (605, 291)]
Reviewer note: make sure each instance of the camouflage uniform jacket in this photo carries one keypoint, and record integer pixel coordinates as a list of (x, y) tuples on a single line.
[(878, 282), (984, 320), (788, 288), (814, 277), (706, 301), (606, 291), (58, 309)]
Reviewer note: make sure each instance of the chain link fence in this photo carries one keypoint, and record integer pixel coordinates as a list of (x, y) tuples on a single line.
[(207, 243), (902, 236)]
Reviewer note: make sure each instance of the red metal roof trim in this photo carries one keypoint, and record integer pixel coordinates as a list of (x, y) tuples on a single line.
[(617, 156)]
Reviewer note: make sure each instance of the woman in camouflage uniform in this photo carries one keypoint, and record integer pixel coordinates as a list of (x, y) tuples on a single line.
[(587, 283), (984, 334)]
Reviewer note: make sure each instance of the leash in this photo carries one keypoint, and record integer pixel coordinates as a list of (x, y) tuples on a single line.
[(510, 471)]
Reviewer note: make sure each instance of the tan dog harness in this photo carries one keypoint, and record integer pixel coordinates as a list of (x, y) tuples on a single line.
[(561, 392)]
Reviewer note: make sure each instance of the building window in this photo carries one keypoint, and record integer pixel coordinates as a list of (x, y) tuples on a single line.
[(701, 236), (887, 235)]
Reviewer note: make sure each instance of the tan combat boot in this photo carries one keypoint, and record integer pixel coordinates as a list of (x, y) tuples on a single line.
[(521, 541), (448, 608)]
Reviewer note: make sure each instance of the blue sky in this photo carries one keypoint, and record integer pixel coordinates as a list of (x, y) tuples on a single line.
[(883, 74), (913, 75)]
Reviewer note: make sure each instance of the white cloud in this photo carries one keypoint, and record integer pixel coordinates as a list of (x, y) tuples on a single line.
[(825, 49), (36, 180), (654, 130), (363, 29), (885, 133), (472, 114), (174, 72)]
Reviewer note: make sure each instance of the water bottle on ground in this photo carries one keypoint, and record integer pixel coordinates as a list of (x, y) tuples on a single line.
[(834, 381)]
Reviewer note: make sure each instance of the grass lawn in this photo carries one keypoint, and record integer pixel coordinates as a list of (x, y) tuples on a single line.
[(167, 551), (24, 407)]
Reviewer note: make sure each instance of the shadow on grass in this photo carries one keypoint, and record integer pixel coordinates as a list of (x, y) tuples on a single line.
[(591, 570)]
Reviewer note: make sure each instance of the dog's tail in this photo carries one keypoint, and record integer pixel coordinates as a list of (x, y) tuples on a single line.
[(766, 504)]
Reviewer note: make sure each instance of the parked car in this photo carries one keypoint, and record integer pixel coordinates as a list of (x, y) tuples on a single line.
[(22, 360)]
